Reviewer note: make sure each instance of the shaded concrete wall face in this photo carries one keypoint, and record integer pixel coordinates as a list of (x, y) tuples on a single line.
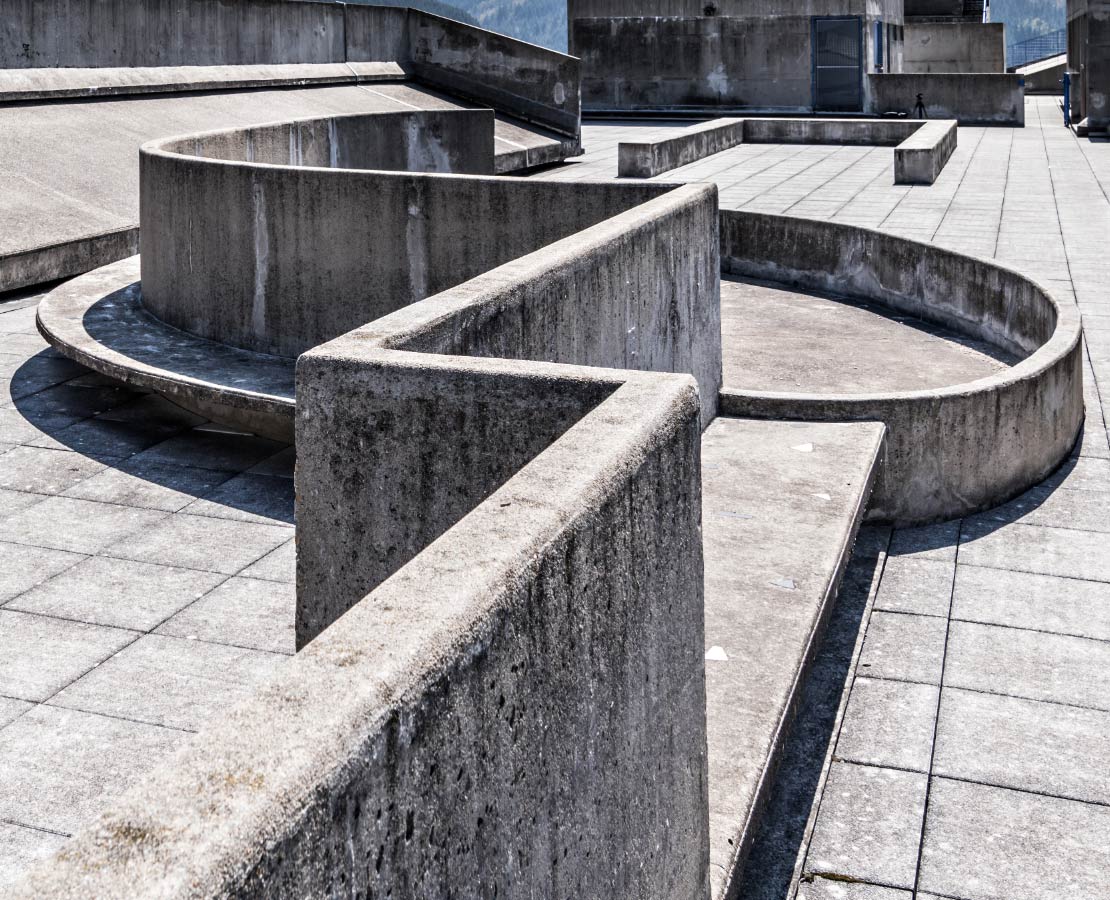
[(954, 47), (35, 33), (241, 254), (953, 451), (971, 99), (1089, 58), (634, 292)]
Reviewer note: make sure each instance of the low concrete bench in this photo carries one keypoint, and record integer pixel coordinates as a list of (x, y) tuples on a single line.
[(920, 158), (921, 151)]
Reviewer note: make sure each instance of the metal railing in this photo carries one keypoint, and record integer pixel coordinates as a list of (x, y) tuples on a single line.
[(1036, 48)]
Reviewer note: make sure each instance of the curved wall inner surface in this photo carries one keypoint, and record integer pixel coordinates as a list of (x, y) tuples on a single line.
[(258, 245), (950, 451)]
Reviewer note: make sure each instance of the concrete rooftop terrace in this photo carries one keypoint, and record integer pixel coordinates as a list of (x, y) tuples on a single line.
[(1034, 197), (954, 736)]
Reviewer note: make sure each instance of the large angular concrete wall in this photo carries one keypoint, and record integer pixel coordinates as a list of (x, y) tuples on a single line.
[(443, 738), (633, 292), (954, 47)]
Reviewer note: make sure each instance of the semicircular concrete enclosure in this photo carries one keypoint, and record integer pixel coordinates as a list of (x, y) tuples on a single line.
[(502, 392)]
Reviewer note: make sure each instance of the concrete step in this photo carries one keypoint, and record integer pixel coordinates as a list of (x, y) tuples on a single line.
[(782, 503)]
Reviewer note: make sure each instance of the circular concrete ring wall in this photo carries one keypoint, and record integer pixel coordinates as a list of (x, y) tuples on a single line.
[(950, 451)]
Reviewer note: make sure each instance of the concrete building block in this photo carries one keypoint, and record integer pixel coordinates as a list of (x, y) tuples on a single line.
[(650, 158), (920, 158), (950, 451), (969, 98), (964, 47)]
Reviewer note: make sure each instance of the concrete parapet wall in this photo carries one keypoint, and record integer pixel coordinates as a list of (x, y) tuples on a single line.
[(970, 99), (241, 252), (950, 451), (954, 47), (443, 737), (637, 291)]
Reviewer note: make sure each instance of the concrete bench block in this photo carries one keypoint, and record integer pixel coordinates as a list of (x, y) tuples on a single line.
[(920, 158), (650, 158)]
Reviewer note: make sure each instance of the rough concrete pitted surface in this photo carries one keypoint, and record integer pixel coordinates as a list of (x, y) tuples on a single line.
[(779, 339)]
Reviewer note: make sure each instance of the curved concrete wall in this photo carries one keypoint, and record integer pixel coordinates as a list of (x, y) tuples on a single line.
[(241, 251), (951, 451)]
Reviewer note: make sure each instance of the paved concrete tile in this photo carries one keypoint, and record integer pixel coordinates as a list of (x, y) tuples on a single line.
[(11, 709), (117, 592), (1038, 549), (827, 889), (201, 542), (278, 565), (207, 449), (40, 655), (914, 585), (63, 523), (154, 411), (43, 471), (1025, 600), (1059, 507), (21, 847), (249, 498), (169, 681), (1082, 473), (988, 843), (15, 428), (869, 826), (103, 437), (281, 464), (244, 612), (12, 502), (21, 568), (59, 767), (929, 542), (72, 401), (889, 723), (1031, 664), (1025, 744), (903, 647), (149, 485)]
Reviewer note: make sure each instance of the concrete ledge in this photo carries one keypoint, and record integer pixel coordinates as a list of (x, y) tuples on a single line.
[(649, 158), (951, 451), (969, 98), (920, 158), (22, 85), (54, 261), (922, 151)]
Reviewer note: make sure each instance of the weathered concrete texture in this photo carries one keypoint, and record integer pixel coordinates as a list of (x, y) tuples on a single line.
[(970, 99), (639, 291), (948, 47), (1089, 62), (46, 263), (413, 738), (55, 33), (951, 450), (782, 504), (645, 160)]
